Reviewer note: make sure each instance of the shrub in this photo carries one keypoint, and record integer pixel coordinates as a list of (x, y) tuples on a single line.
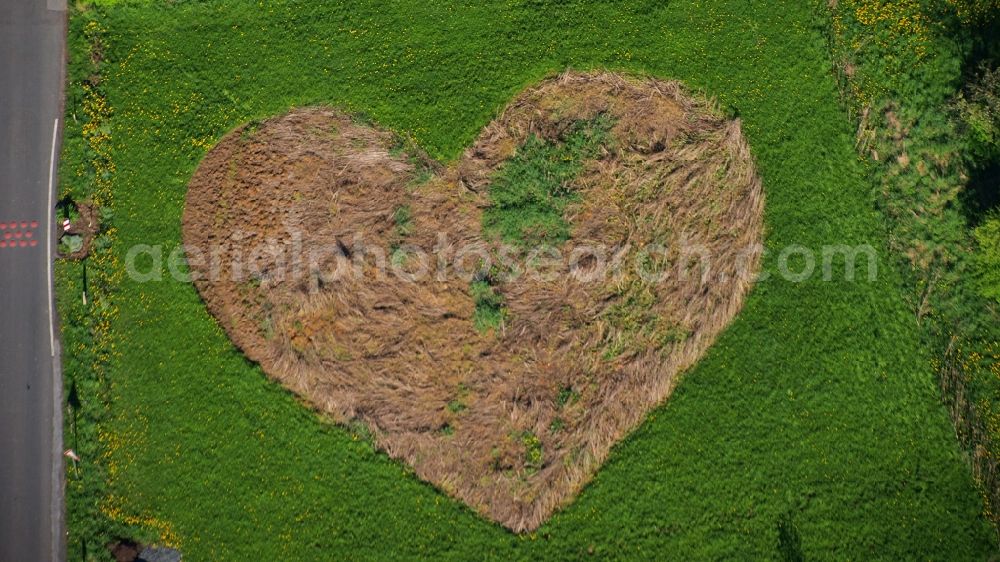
[(979, 109), (988, 257)]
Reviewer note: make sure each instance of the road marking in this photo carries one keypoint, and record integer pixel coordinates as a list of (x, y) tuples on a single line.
[(12, 238), (49, 211), (58, 495)]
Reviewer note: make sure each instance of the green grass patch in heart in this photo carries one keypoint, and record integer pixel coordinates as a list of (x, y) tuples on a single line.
[(490, 311), (529, 194)]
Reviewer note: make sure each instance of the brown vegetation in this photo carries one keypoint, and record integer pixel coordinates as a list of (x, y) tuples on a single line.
[(513, 421)]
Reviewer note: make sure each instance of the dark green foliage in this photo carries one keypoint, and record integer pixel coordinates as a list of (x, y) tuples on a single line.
[(975, 13), (988, 257), (979, 108), (789, 541), (530, 192)]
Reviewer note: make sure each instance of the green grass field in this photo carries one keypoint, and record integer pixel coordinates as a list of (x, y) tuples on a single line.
[(817, 405)]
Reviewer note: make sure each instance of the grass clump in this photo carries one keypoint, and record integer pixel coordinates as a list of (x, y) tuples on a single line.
[(533, 454), (403, 217), (530, 192), (567, 395), (490, 310)]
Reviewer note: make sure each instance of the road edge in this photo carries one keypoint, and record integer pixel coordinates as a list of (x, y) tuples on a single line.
[(58, 495)]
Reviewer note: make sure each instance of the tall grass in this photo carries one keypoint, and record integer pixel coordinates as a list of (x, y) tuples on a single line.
[(900, 66)]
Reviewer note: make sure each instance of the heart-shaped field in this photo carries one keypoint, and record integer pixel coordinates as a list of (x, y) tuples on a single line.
[(498, 323)]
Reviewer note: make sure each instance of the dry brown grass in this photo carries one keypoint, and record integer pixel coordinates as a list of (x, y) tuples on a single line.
[(461, 407)]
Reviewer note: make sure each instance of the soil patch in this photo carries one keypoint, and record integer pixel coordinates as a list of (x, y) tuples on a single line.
[(83, 227), (505, 387)]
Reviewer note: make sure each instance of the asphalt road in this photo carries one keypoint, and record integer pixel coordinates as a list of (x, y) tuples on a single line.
[(32, 45)]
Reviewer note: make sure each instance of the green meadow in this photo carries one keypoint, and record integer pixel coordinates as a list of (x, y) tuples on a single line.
[(814, 422)]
